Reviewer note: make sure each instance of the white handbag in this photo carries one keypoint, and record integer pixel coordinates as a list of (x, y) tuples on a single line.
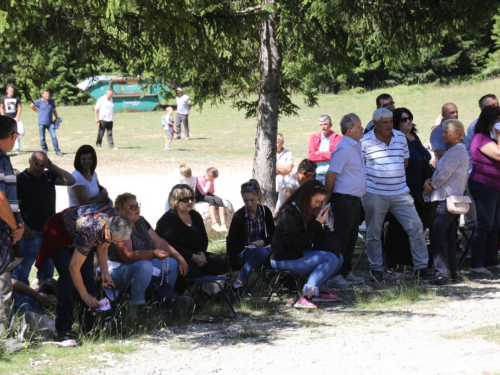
[(458, 204)]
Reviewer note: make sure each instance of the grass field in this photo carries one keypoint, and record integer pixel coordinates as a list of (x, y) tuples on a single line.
[(221, 136)]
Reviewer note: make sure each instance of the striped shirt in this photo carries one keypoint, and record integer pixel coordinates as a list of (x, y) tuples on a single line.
[(8, 181), (385, 165)]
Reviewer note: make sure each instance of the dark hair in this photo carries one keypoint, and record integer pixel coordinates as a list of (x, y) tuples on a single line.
[(382, 97), (396, 118), (10, 85), (83, 150), (307, 165), (302, 199), (484, 97), (486, 120), (252, 186), (8, 126)]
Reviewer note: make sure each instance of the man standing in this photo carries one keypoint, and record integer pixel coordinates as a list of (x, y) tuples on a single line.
[(11, 226), (345, 185), (11, 106), (385, 153), (46, 109), (36, 192), (291, 182), (103, 112), (183, 106), (321, 146), (382, 101), (284, 161), (488, 100), (449, 110)]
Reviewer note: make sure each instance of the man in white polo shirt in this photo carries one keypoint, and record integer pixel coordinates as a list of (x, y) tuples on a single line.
[(183, 106), (284, 161), (385, 152), (103, 112), (345, 185)]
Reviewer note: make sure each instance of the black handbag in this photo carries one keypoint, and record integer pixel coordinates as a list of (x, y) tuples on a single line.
[(10, 255)]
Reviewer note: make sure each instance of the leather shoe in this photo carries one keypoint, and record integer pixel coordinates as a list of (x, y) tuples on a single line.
[(425, 273)]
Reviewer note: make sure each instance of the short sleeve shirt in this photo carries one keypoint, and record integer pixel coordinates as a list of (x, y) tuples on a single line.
[(347, 162), (10, 105), (141, 240), (183, 104), (8, 181), (45, 114), (283, 158), (105, 107), (85, 225), (385, 164), (91, 186)]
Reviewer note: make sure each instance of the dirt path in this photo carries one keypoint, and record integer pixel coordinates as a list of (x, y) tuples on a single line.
[(423, 338)]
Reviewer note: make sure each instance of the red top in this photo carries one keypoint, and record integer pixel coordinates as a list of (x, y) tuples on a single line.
[(314, 143)]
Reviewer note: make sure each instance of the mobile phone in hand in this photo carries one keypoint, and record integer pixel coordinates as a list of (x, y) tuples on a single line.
[(326, 207)]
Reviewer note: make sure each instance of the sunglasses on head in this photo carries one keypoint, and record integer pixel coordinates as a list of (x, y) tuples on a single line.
[(187, 199)]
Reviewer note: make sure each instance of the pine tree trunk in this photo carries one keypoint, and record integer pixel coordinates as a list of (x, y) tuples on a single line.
[(264, 167)]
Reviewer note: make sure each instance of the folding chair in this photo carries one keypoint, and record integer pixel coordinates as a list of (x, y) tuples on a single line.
[(468, 240), (361, 234), (223, 283), (275, 284)]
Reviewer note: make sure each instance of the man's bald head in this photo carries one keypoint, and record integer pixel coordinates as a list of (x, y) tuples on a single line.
[(37, 163), (449, 110)]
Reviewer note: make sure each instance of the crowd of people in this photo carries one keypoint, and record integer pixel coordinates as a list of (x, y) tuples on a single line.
[(384, 177)]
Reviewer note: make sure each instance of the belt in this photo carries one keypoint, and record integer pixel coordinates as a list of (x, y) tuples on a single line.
[(349, 196)]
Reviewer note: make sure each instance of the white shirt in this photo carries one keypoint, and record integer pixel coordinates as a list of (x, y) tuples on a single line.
[(183, 104), (347, 161), (105, 107), (91, 187), (289, 182), (282, 158)]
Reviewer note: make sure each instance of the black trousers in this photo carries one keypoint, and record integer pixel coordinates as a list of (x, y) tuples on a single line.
[(105, 126), (346, 211)]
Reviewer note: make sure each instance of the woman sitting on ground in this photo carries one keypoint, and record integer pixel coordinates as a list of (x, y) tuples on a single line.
[(133, 262), (484, 185), (86, 188), (250, 235), (69, 237), (205, 190), (449, 178), (183, 228), (300, 223)]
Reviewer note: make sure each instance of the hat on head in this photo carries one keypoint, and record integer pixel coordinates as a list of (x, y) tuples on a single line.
[(179, 89)]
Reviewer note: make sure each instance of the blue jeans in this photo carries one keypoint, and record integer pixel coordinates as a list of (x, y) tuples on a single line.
[(251, 259), (320, 265), (484, 241), (67, 294), (30, 248), (164, 283), (443, 236), (52, 132), (137, 275)]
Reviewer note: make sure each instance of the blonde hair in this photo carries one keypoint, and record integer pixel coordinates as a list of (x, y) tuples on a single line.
[(178, 192), (252, 186), (122, 199), (455, 125), (185, 171), (169, 110), (212, 172)]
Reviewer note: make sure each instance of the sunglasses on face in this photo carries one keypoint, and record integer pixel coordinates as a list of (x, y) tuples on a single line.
[(404, 119), (187, 199)]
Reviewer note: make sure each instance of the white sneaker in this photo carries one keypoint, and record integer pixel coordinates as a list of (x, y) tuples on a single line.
[(481, 271), (167, 148), (353, 279), (338, 282)]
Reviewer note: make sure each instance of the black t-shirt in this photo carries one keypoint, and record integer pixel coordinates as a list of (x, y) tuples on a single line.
[(37, 198), (10, 105)]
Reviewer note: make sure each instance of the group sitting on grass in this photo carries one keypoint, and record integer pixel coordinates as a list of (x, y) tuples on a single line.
[(382, 176)]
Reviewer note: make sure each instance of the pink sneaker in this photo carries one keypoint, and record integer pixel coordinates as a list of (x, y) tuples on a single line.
[(304, 303), (325, 297)]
